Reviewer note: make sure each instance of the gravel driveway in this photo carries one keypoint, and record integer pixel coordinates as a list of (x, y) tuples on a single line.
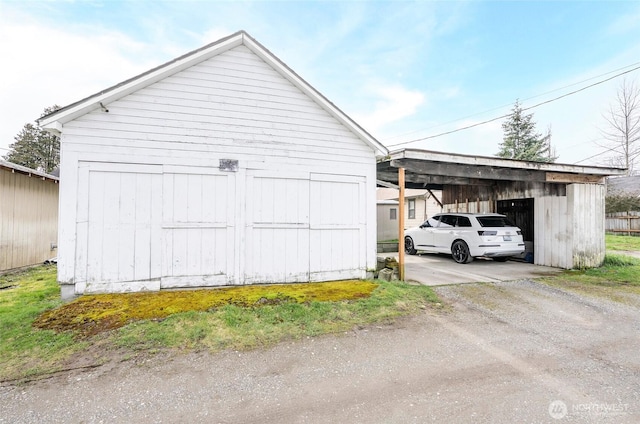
[(501, 353)]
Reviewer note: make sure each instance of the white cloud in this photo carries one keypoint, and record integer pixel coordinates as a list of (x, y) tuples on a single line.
[(45, 65), (394, 104)]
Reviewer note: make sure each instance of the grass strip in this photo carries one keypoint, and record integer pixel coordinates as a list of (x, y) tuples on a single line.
[(40, 335)]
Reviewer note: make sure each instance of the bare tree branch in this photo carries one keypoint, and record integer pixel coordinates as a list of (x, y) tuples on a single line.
[(623, 132)]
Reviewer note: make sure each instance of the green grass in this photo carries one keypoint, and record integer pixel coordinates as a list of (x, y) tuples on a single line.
[(23, 350), (615, 242), (238, 327), (251, 317), (617, 279)]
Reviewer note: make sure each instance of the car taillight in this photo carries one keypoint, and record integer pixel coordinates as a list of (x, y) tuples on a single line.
[(487, 233)]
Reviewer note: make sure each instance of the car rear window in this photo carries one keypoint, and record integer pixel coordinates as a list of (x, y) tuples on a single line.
[(495, 221)]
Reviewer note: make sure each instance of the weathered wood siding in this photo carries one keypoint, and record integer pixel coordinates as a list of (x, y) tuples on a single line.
[(552, 232), (623, 223), (299, 207), (585, 206), (502, 190), (471, 206), (28, 219)]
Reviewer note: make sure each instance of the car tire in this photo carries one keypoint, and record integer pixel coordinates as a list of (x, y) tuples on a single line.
[(409, 247), (460, 252), (501, 258)]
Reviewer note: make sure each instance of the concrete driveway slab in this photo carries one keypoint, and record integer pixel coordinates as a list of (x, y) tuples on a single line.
[(437, 270)]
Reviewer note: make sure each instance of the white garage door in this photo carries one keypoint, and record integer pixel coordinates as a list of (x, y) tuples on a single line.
[(277, 228), (197, 228), (187, 227), (337, 230), (117, 225), (310, 227)]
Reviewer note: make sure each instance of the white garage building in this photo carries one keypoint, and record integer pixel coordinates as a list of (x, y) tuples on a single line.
[(220, 167)]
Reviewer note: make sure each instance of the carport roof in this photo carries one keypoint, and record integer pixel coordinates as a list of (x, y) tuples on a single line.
[(429, 169)]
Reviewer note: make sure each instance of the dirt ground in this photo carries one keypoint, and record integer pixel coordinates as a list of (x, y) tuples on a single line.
[(501, 353)]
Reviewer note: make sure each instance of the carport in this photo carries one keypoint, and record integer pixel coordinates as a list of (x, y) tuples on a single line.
[(559, 207)]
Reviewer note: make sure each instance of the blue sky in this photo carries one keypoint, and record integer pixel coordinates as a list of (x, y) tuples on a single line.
[(403, 70)]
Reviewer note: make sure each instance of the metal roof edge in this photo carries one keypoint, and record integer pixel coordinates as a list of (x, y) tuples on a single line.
[(27, 171)]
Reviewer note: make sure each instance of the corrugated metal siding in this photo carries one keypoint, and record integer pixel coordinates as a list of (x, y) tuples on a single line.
[(233, 106), (28, 219)]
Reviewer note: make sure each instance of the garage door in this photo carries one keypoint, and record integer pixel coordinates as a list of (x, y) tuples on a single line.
[(337, 227), (306, 227), (277, 228), (117, 224), (197, 228), (185, 227)]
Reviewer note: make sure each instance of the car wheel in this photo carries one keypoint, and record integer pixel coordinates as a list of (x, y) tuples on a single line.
[(501, 258), (408, 246), (460, 252)]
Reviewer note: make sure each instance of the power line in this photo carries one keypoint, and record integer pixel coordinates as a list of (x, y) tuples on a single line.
[(524, 100), (526, 108)]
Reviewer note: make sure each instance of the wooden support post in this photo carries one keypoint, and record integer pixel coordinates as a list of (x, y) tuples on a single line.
[(401, 224)]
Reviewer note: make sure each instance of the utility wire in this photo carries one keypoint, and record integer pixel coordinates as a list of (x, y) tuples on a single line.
[(524, 100), (526, 108)]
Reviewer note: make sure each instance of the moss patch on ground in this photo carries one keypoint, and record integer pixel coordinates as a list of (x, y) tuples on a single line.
[(39, 334), (92, 314)]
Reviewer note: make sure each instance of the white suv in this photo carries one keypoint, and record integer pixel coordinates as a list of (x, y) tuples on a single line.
[(465, 236)]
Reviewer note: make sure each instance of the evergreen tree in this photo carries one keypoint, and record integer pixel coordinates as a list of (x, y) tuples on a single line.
[(521, 141), (35, 148)]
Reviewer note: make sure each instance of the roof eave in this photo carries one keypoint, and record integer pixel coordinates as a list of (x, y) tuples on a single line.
[(500, 162), (55, 121), (309, 90), (98, 100)]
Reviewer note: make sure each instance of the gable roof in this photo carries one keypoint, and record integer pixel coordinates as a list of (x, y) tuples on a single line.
[(55, 121)]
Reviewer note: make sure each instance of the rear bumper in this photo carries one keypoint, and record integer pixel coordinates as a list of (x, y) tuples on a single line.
[(493, 254), (494, 251)]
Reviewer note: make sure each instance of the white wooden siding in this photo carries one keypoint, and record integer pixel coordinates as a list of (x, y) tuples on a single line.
[(552, 232), (276, 227), (587, 224), (28, 219)]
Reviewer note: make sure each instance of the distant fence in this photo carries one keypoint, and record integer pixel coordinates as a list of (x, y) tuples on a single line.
[(623, 223)]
